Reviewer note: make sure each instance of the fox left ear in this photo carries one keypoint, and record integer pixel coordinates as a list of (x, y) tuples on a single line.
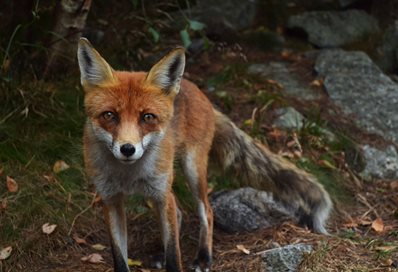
[(94, 70), (167, 73)]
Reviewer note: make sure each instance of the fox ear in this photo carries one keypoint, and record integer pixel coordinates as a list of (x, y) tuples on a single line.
[(167, 73), (94, 70)]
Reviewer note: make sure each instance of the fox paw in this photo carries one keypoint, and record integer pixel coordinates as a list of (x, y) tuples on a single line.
[(158, 261), (203, 262)]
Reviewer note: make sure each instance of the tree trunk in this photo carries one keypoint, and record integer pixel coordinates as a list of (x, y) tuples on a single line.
[(70, 16)]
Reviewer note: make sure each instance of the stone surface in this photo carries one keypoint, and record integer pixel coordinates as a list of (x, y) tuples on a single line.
[(246, 209), (223, 17), (286, 259), (360, 88), (380, 164), (346, 3), (288, 118), (327, 29), (387, 52), (280, 72)]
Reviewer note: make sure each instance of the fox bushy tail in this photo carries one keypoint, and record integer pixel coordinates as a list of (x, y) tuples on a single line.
[(258, 167)]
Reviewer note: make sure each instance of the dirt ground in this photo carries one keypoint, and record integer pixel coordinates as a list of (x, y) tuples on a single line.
[(363, 228)]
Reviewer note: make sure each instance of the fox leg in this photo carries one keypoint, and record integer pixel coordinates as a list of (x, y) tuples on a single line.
[(168, 216), (115, 219), (158, 259), (195, 168)]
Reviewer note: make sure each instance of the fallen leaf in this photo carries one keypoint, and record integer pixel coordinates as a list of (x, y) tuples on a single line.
[(49, 179), (243, 249), (4, 203), (317, 83), (388, 262), (350, 225), (326, 164), (98, 247), (60, 166), (285, 54), (378, 225), (385, 248), (93, 258), (12, 185), (394, 185), (97, 199), (131, 262), (274, 82), (47, 228), (5, 253), (79, 240)]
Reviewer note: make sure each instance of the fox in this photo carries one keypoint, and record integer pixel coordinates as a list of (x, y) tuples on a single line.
[(140, 123)]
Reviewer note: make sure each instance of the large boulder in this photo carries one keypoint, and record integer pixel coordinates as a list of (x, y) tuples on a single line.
[(327, 29), (246, 209), (360, 88)]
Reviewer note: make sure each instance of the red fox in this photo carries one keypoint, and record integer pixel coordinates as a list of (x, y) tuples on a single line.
[(139, 123)]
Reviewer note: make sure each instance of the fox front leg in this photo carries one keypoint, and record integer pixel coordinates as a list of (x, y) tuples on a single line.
[(169, 223), (115, 219)]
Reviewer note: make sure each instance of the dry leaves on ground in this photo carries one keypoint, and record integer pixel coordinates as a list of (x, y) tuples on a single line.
[(378, 225), (98, 247), (12, 185), (48, 229), (93, 258), (5, 253), (60, 166)]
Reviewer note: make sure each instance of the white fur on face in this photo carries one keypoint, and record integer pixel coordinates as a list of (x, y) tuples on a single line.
[(149, 140)]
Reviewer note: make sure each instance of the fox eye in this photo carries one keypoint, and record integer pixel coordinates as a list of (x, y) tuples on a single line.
[(149, 118), (108, 115)]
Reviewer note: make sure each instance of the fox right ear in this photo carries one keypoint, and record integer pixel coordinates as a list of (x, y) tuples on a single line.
[(94, 70)]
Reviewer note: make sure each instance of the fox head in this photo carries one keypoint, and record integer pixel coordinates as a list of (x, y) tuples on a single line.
[(129, 111)]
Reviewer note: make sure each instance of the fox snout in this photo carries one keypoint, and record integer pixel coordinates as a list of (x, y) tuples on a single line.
[(127, 150)]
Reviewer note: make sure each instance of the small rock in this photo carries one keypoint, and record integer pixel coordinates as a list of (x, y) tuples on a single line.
[(286, 259), (281, 73), (327, 29), (380, 164), (246, 209), (288, 118)]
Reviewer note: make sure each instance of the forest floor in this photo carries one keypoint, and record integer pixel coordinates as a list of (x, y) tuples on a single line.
[(41, 123), (363, 227)]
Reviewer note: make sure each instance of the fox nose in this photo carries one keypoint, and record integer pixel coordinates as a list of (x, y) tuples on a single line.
[(127, 150)]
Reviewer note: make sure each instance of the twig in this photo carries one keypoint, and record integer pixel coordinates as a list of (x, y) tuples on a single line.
[(81, 213), (363, 200)]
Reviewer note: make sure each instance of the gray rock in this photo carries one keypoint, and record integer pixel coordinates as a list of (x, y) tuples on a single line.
[(387, 52), (360, 88), (288, 118), (328, 29), (346, 3), (286, 259), (280, 72), (247, 209), (223, 17), (380, 164)]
